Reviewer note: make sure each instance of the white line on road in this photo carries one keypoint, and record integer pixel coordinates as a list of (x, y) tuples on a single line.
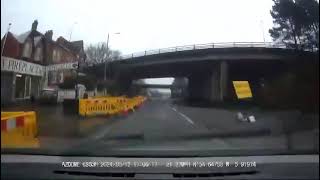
[(183, 115)]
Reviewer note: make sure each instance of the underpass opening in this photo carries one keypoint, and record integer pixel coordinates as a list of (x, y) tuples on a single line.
[(161, 88)]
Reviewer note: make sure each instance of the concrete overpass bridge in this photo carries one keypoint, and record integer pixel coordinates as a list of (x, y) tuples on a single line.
[(210, 68), (155, 86)]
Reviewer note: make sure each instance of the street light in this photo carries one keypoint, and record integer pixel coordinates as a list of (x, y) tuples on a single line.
[(5, 38), (72, 30), (105, 62), (77, 70), (262, 29)]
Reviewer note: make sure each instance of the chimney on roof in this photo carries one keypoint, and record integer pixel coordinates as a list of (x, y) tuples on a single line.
[(61, 40), (34, 25), (49, 35)]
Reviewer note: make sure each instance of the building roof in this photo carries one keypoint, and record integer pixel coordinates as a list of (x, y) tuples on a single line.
[(10, 34), (75, 46), (22, 37), (78, 45)]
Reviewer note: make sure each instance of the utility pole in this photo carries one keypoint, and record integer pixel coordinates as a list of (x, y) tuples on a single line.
[(72, 30), (105, 67), (77, 76), (105, 62), (262, 29), (77, 70)]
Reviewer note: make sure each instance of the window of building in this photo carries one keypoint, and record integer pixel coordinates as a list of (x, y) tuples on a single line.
[(27, 86), (54, 55), (59, 56), (70, 58), (20, 86), (61, 77), (52, 77), (27, 50), (38, 54)]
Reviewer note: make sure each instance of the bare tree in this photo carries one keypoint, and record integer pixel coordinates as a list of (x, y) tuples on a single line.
[(99, 53)]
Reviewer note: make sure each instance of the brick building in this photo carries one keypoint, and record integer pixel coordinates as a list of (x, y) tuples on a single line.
[(32, 61)]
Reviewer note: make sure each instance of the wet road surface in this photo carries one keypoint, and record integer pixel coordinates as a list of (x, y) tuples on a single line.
[(165, 119), (53, 122)]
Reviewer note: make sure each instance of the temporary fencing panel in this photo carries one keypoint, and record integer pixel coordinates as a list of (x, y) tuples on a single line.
[(19, 129), (108, 105)]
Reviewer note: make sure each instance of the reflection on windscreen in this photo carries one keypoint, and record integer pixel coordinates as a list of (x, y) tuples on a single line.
[(176, 80)]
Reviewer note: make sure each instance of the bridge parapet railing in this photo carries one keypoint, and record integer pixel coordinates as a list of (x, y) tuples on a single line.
[(204, 46)]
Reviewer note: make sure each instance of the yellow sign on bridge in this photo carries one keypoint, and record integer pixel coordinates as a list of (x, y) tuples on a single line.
[(242, 89)]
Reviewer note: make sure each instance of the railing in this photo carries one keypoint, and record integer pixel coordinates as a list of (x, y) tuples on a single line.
[(204, 46)]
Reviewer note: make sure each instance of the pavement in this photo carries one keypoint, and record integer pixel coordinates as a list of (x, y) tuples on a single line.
[(165, 119)]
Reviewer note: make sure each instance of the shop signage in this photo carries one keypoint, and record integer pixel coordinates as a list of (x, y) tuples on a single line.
[(24, 67), (20, 66), (57, 67)]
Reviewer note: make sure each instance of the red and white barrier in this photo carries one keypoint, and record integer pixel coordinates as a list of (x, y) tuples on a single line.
[(12, 123)]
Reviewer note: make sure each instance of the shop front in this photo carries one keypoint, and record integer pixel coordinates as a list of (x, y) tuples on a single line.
[(7, 79), (27, 86), (20, 80)]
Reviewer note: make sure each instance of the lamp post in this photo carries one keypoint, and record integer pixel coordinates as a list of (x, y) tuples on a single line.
[(5, 38), (105, 62), (77, 69), (262, 29), (72, 30)]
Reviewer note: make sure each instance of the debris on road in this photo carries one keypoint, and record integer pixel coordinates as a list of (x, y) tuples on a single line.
[(243, 118)]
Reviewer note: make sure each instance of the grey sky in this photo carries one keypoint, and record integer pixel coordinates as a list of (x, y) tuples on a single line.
[(143, 24)]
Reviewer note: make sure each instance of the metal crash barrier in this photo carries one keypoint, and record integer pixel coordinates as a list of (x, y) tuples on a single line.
[(19, 130), (109, 105)]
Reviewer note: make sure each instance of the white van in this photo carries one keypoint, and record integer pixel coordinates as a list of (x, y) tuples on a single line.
[(70, 93)]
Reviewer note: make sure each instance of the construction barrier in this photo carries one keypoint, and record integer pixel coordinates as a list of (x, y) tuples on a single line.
[(19, 130), (97, 106), (109, 105)]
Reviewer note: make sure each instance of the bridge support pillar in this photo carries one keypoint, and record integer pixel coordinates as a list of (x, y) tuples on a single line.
[(211, 85)]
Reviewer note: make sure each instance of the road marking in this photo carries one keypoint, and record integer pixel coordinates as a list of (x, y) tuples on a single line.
[(187, 118), (183, 115)]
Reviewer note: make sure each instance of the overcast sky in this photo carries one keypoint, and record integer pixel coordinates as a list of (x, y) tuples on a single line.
[(143, 24)]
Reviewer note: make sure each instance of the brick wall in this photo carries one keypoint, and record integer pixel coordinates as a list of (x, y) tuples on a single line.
[(12, 47), (60, 55)]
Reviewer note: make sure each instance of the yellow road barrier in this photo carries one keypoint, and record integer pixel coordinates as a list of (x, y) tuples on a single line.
[(19, 130), (109, 105), (98, 106)]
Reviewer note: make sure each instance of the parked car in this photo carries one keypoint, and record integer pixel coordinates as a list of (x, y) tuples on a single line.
[(48, 96)]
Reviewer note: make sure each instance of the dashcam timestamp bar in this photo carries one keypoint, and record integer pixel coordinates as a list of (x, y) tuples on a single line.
[(168, 164)]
